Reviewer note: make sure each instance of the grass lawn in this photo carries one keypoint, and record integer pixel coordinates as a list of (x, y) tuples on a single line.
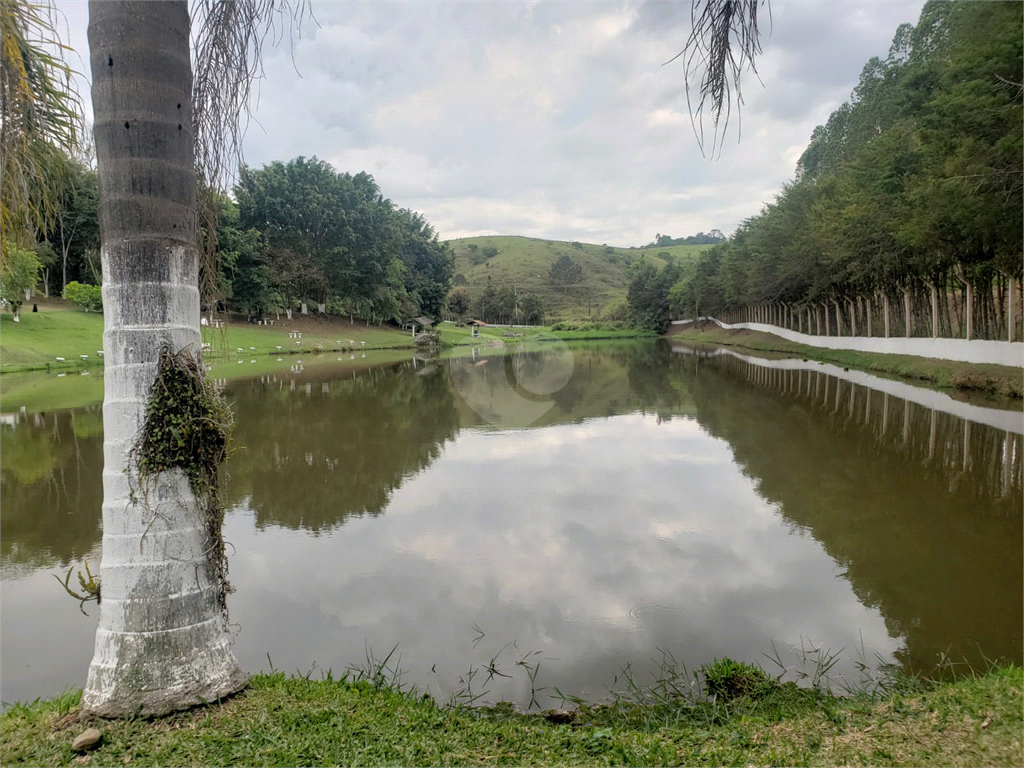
[(41, 337), (463, 335), (58, 330), (297, 721), (946, 374)]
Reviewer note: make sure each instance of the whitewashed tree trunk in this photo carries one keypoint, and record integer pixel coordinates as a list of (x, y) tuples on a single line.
[(162, 643), (304, 308)]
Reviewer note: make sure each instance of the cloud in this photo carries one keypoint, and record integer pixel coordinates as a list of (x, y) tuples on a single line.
[(552, 119)]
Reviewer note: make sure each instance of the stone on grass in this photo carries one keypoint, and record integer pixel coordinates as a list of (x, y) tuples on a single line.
[(86, 740)]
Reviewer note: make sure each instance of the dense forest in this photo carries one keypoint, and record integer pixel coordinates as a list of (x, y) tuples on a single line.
[(295, 233), (908, 198)]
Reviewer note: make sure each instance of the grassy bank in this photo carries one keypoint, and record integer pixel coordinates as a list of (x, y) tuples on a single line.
[(946, 374), (297, 721), (463, 335), (59, 330)]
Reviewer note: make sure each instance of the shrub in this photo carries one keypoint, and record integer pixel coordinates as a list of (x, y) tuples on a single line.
[(88, 296), (727, 679), (616, 311)]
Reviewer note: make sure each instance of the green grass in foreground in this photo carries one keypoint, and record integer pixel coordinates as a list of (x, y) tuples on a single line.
[(946, 374), (296, 721)]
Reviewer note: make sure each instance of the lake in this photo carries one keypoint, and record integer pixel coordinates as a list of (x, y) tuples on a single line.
[(520, 526)]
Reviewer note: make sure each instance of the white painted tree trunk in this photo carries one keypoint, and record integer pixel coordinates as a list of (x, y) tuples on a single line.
[(304, 308), (162, 643)]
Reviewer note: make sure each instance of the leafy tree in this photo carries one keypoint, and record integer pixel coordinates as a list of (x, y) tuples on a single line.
[(487, 303), (505, 304), (459, 302), (333, 234), (88, 296), (47, 258), (301, 208), (565, 273), (531, 309), (75, 228), (429, 264), (20, 274), (648, 297), (244, 274)]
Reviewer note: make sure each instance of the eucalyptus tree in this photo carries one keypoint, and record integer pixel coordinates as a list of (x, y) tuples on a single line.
[(162, 642)]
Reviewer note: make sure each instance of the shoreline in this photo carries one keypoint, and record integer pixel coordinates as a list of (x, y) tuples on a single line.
[(363, 720)]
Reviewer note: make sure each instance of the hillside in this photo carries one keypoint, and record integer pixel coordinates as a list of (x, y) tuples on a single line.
[(525, 262)]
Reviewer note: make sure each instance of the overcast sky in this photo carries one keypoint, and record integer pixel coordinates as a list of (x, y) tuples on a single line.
[(550, 119)]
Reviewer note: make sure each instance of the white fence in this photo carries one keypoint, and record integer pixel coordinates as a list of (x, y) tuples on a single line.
[(1010, 353)]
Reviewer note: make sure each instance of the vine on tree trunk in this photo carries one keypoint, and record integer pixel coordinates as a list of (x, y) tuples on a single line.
[(188, 427)]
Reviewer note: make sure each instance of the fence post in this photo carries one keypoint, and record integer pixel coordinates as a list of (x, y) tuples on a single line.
[(935, 310), (906, 305), (970, 309), (1009, 308), (885, 312)]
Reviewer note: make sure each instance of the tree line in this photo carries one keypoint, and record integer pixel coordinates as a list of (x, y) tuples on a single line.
[(909, 198), (295, 234), (713, 237)]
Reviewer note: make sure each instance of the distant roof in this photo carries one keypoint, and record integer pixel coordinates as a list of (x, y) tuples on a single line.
[(477, 322), (426, 322)]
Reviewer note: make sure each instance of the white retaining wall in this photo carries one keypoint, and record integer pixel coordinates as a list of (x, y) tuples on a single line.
[(961, 350)]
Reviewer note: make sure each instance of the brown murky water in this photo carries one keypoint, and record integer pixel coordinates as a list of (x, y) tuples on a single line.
[(586, 509)]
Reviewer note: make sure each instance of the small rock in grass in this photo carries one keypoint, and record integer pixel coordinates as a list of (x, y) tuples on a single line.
[(88, 739)]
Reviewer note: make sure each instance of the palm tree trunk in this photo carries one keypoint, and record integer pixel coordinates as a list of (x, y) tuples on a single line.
[(162, 641)]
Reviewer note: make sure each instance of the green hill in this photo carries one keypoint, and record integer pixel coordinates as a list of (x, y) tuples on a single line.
[(525, 262)]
